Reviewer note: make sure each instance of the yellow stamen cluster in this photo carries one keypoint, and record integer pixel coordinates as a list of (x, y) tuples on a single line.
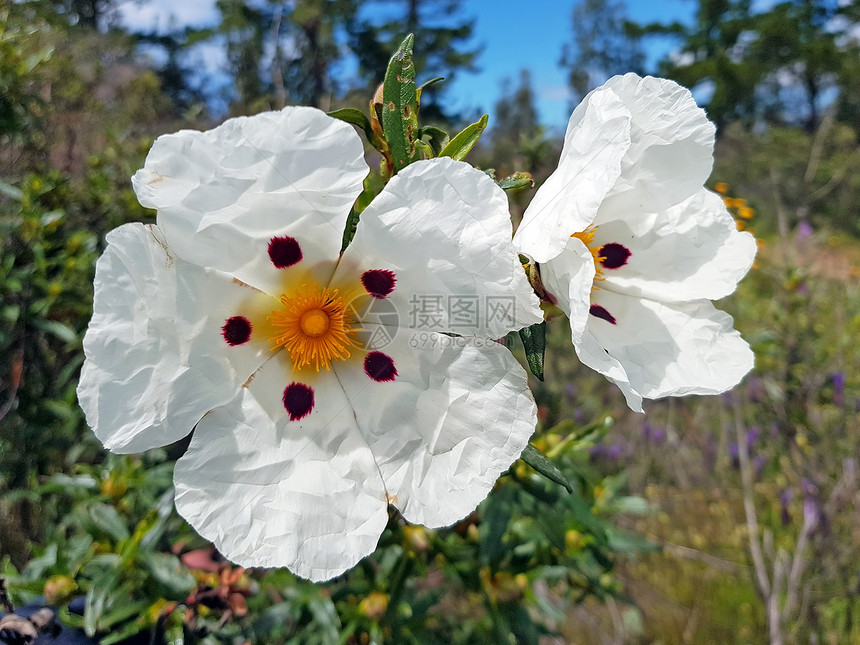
[(587, 238), (313, 326)]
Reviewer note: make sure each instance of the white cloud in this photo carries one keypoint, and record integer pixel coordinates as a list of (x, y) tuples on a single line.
[(164, 15)]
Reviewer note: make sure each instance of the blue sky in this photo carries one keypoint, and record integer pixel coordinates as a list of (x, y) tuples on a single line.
[(514, 35), (531, 34)]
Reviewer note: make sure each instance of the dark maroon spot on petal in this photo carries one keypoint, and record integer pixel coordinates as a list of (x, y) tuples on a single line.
[(236, 330), (378, 282), (600, 312), (298, 400), (380, 367), (613, 255), (284, 251)]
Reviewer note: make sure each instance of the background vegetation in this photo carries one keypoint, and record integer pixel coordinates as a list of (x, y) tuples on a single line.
[(731, 519)]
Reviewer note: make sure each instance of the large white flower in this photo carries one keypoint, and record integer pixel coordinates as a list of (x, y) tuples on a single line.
[(321, 388), (633, 247)]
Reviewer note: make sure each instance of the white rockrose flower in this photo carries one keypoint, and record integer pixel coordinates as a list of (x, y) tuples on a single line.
[(632, 247), (321, 388)]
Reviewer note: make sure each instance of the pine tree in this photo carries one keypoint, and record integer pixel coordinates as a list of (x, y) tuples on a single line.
[(604, 44), (442, 46)]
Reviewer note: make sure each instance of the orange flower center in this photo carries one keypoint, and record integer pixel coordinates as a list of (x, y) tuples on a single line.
[(313, 325)]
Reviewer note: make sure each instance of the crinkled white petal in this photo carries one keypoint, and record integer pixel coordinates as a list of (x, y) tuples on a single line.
[(272, 492), (597, 138), (671, 145), (657, 349), (690, 251), (456, 416), (569, 278), (222, 194), (155, 357), (443, 228)]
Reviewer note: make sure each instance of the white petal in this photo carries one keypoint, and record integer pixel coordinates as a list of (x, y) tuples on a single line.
[(443, 228), (657, 349), (671, 150), (689, 251), (155, 357), (272, 492), (223, 194), (569, 278), (597, 138), (456, 416)]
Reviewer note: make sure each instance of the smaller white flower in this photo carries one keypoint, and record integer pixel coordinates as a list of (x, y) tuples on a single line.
[(633, 247), (321, 387)]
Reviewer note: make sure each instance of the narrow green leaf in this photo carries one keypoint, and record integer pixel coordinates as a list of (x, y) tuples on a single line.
[(373, 185), (432, 81), (541, 463), (57, 329), (400, 106), (351, 228), (517, 181), (10, 191), (97, 596), (128, 630), (460, 145), (424, 86), (121, 613), (534, 342)]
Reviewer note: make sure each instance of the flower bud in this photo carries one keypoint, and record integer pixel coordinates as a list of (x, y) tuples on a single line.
[(58, 589), (374, 605)]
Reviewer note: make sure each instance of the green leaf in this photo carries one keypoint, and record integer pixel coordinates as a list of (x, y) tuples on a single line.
[(108, 519), (400, 106), (436, 138), (632, 504), (58, 329), (51, 216), (534, 342), (625, 542), (517, 181), (164, 510), (359, 118), (351, 228), (121, 613), (460, 145), (541, 463), (432, 81), (128, 630), (10, 191), (97, 596), (355, 117), (168, 571), (496, 515), (373, 184)]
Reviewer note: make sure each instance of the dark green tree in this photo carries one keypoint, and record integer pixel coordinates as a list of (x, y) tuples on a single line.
[(796, 47), (443, 45), (175, 75), (245, 28), (604, 43), (311, 28), (781, 65), (714, 51), (515, 123)]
